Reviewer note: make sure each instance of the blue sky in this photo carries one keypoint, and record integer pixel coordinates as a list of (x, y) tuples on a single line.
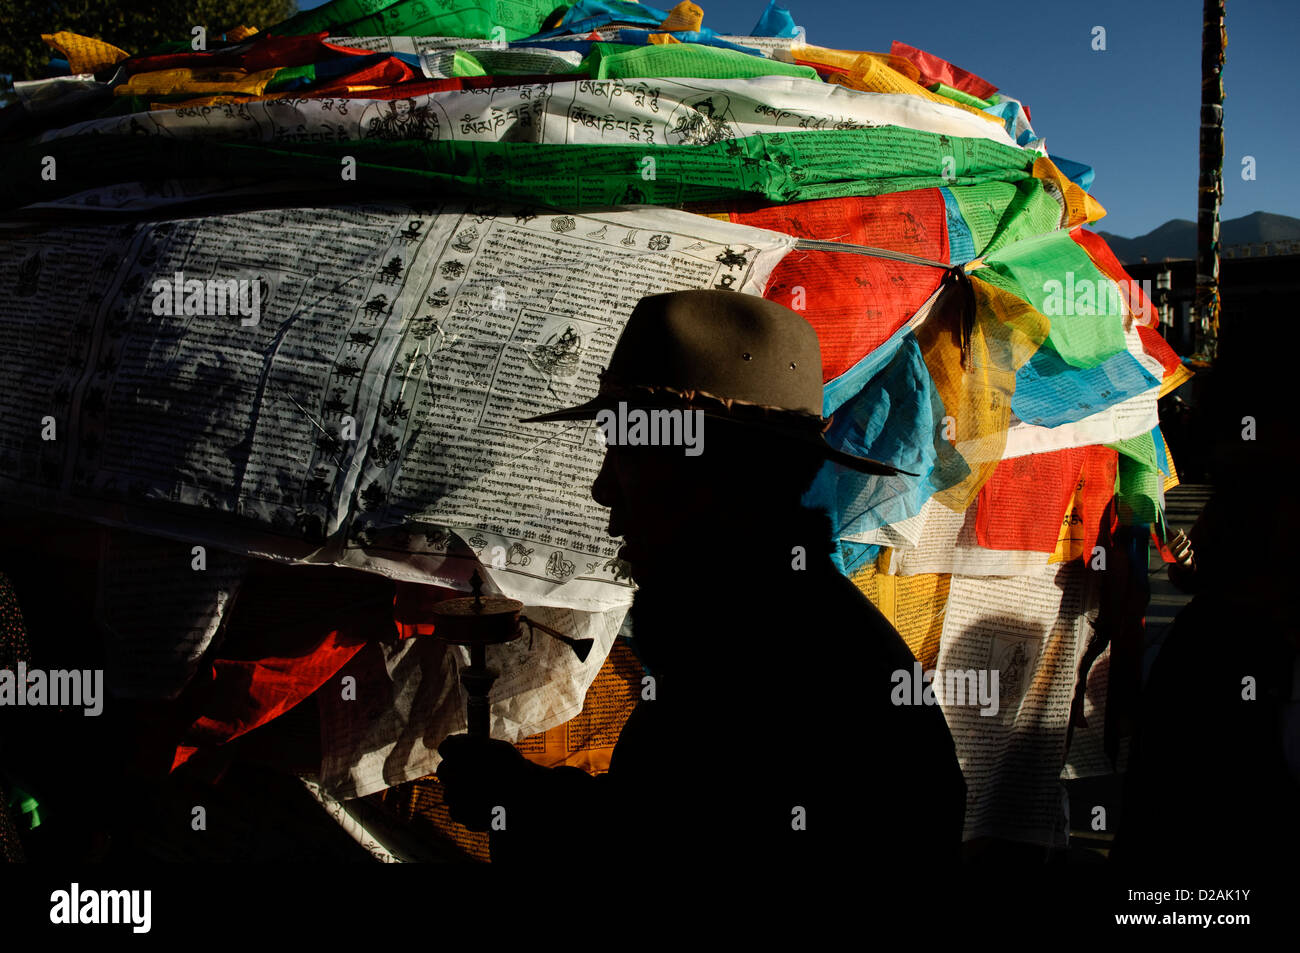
[(1131, 111)]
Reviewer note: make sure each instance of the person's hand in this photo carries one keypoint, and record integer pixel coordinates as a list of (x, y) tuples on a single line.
[(478, 775), (1181, 547), (1182, 572)]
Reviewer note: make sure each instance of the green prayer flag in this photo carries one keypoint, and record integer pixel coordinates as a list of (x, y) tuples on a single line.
[(1058, 278), (488, 19), (999, 213), (690, 60), (956, 95), (778, 167)]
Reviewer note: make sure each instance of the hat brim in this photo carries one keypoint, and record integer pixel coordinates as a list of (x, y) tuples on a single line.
[(813, 441), (583, 411)]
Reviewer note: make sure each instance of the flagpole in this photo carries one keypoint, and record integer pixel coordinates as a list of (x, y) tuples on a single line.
[(1209, 191)]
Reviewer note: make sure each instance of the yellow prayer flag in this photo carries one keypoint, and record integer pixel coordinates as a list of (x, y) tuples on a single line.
[(847, 59), (1006, 334), (168, 82), (684, 16), (84, 54), (875, 73), (1069, 545), (1172, 480), (914, 605), (1179, 376), (1080, 207)]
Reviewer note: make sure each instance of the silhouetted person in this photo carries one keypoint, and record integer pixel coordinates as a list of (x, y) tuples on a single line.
[(771, 734), (1214, 778)]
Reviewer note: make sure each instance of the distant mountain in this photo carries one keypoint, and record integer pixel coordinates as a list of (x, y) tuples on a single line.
[(1177, 238)]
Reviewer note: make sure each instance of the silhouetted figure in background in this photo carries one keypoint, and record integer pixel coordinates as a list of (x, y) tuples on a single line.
[(771, 734), (1180, 437), (1214, 778)]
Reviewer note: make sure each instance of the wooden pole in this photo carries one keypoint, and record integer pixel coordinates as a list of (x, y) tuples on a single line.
[(1209, 192)]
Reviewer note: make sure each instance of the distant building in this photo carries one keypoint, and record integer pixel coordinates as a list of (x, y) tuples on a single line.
[(1261, 249), (1252, 376), (1259, 284)]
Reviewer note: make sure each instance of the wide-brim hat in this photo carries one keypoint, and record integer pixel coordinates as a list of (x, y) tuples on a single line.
[(734, 356)]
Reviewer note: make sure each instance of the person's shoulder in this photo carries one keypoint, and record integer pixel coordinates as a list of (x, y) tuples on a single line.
[(854, 621)]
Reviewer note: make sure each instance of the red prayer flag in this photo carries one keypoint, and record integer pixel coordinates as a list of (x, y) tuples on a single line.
[(388, 72), (1023, 503), (245, 694), (291, 630), (1032, 503), (936, 70), (855, 301), (264, 52), (1158, 347)]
